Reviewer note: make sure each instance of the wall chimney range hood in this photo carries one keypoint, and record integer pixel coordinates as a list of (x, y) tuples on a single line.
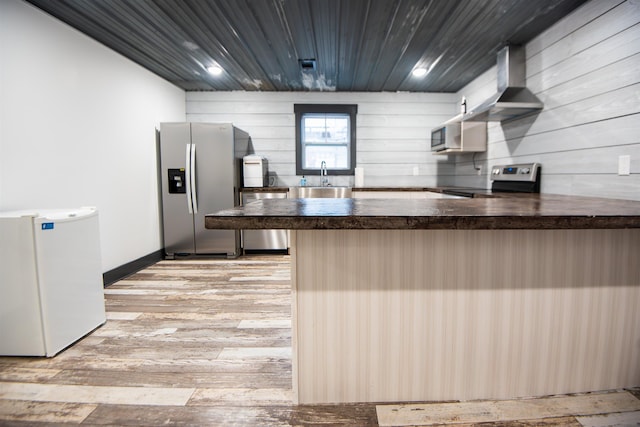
[(513, 99)]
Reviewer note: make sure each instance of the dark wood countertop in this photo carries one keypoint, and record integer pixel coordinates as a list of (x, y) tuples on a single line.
[(463, 191), (512, 211), (264, 190)]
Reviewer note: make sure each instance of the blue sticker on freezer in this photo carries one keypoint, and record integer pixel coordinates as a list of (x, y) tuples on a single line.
[(47, 226)]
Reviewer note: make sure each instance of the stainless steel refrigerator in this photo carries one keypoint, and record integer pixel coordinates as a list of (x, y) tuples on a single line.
[(200, 168)]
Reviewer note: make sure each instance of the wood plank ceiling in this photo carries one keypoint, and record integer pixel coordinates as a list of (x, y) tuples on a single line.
[(357, 45)]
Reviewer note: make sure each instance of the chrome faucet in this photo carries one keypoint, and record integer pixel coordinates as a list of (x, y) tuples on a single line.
[(324, 181)]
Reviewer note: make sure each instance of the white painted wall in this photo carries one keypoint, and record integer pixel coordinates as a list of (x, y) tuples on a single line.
[(77, 127), (393, 131), (586, 70)]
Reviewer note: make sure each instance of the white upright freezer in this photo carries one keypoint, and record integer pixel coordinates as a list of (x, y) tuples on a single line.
[(51, 288)]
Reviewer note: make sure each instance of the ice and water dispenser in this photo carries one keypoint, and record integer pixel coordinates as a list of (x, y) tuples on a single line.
[(177, 183)]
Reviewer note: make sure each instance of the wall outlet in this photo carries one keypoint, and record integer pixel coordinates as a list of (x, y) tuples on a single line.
[(479, 170), (416, 171), (624, 165)]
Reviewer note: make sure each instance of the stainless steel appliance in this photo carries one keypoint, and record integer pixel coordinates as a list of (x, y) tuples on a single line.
[(201, 174), (512, 99), (446, 137), (262, 240), (515, 178), (521, 178)]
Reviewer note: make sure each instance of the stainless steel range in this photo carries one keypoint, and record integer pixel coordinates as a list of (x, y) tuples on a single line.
[(515, 178), (520, 178)]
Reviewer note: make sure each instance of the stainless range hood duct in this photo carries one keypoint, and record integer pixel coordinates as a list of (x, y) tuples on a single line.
[(513, 99)]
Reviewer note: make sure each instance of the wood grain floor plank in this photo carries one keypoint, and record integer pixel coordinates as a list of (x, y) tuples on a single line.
[(121, 415), (620, 419), (540, 422), (92, 394), (351, 414), (509, 410), (116, 315), (242, 397), (145, 365), (176, 378), (30, 412), (28, 374)]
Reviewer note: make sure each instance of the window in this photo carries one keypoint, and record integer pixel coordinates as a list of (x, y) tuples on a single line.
[(325, 132)]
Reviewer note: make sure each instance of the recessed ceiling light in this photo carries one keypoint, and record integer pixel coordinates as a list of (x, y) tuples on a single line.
[(419, 72), (216, 70)]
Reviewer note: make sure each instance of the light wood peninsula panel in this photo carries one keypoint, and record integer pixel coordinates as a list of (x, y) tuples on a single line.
[(423, 315)]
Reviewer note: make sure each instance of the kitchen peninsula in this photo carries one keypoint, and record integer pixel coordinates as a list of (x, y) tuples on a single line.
[(458, 299)]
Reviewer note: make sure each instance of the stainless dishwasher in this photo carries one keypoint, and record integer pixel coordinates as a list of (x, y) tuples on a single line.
[(264, 240)]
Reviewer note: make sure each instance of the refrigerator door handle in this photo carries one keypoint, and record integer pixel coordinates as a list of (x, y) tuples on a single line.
[(188, 178), (192, 179)]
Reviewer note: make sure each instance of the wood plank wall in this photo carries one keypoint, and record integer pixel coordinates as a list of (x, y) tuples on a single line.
[(393, 130), (586, 71)]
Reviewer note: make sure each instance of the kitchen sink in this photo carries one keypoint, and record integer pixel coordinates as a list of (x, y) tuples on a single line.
[(320, 192)]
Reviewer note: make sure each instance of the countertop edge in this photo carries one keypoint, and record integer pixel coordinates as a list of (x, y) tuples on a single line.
[(422, 223), (513, 211)]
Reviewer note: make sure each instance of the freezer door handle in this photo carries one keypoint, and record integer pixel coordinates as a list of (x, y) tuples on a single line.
[(188, 178), (192, 178)]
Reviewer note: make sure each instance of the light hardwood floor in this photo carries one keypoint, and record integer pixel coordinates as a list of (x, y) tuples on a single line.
[(189, 342)]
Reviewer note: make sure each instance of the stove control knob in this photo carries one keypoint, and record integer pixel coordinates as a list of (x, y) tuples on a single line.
[(525, 170), (496, 171)]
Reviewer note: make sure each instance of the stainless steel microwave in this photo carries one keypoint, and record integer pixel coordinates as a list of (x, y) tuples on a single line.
[(446, 136)]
